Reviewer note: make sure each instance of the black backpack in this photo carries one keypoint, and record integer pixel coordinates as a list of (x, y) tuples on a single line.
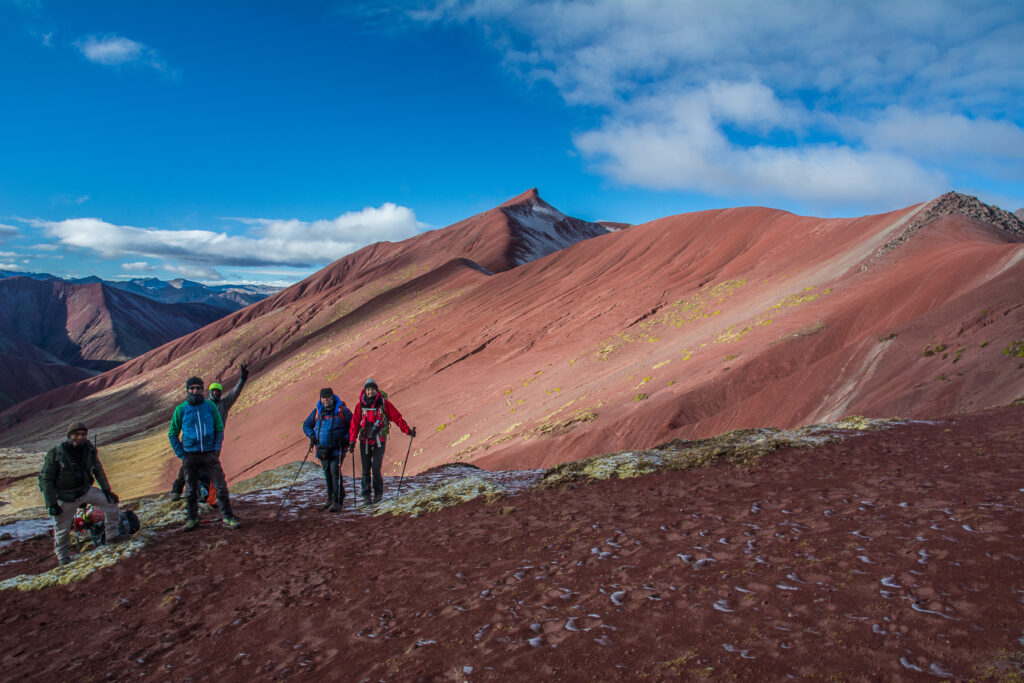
[(127, 523)]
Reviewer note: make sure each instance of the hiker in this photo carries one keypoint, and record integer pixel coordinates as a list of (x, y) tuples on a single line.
[(224, 404), (327, 428), (196, 435), (370, 424), (66, 479)]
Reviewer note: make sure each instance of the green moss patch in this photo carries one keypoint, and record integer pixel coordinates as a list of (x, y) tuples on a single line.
[(741, 447), (441, 496)]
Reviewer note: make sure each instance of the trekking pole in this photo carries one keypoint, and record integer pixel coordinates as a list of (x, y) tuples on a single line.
[(353, 478), (340, 492), (403, 467), (289, 491)]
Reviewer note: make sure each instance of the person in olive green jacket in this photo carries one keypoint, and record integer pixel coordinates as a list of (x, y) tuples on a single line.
[(66, 479)]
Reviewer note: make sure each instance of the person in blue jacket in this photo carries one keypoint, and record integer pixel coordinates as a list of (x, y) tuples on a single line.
[(327, 428), (196, 435)]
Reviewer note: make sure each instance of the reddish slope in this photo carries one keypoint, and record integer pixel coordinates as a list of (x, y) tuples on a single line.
[(682, 327)]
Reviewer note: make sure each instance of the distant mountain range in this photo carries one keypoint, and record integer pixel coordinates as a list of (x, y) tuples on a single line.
[(54, 331), (177, 291)]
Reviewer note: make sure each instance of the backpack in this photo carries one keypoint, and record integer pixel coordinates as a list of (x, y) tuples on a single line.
[(128, 523), (375, 424)]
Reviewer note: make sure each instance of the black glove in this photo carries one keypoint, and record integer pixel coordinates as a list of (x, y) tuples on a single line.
[(244, 370), (351, 448), (312, 442), (111, 497), (54, 510), (412, 432)]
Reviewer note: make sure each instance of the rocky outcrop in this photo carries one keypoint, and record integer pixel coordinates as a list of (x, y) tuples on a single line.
[(954, 203)]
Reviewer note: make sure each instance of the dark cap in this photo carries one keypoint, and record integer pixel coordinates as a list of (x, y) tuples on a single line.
[(192, 381), (76, 427), (326, 392), (371, 382)]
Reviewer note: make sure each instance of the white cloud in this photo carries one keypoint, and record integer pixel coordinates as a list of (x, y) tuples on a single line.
[(859, 101), (113, 50), (8, 254), (272, 241), (138, 267), (203, 273), (938, 135), (7, 231)]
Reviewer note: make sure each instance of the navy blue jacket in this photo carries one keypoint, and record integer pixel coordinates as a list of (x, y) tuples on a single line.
[(330, 430)]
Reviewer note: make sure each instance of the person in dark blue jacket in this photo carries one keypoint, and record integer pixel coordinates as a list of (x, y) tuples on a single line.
[(327, 428), (196, 435)]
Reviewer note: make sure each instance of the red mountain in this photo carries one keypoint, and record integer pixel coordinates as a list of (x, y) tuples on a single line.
[(507, 351), (55, 332)]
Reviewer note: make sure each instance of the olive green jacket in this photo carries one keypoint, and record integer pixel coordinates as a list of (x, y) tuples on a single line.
[(65, 477)]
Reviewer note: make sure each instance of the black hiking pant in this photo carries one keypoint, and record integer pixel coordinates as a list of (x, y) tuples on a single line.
[(179, 484), (211, 462), (331, 462), (372, 457)]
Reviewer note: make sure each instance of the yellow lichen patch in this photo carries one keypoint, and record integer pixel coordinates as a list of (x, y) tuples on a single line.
[(440, 496), (461, 439), (84, 565), (742, 447), (559, 427), (678, 314), (661, 364), (279, 477)]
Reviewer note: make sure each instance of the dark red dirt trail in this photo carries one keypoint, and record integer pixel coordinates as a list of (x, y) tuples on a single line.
[(892, 555)]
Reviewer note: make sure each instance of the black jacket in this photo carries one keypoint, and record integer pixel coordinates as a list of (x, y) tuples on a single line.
[(69, 472), (227, 400)]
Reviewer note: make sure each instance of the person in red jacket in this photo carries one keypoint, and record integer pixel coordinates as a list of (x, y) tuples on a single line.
[(371, 420)]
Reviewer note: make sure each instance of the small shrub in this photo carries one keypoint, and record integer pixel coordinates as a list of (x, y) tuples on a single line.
[(1015, 349), (888, 337), (641, 397)]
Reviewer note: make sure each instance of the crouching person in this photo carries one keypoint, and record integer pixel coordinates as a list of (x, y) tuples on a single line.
[(327, 427), (66, 480), (196, 435)]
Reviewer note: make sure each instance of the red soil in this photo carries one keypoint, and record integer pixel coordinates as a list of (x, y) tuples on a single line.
[(892, 555)]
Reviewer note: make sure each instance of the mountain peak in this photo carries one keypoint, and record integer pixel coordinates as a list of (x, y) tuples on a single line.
[(527, 197)]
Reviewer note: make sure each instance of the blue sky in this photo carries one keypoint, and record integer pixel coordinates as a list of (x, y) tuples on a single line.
[(258, 141)]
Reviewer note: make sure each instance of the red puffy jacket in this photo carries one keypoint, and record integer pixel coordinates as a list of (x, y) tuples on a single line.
[(365, 415)]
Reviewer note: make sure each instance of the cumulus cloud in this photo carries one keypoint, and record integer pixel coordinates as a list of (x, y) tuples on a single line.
[(268, 241), (113, 50), (138, 267), (870, 102)]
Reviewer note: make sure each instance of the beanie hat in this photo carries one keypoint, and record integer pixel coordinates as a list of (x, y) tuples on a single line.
[(326, 392), (371, 382), (217, 386), (76, 427), (191, 381)]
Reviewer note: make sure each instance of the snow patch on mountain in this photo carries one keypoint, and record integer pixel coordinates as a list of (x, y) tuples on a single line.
[(542, 229)]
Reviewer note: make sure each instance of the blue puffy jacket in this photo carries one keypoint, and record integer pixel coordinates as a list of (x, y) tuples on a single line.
[(195, 429), (330, 430)]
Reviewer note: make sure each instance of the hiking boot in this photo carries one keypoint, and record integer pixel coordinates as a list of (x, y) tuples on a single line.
[(175, 495), (62, 561), (231, 522), (327, 505), (335, 507), (191, 524), (377, 497), (366, 499)]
